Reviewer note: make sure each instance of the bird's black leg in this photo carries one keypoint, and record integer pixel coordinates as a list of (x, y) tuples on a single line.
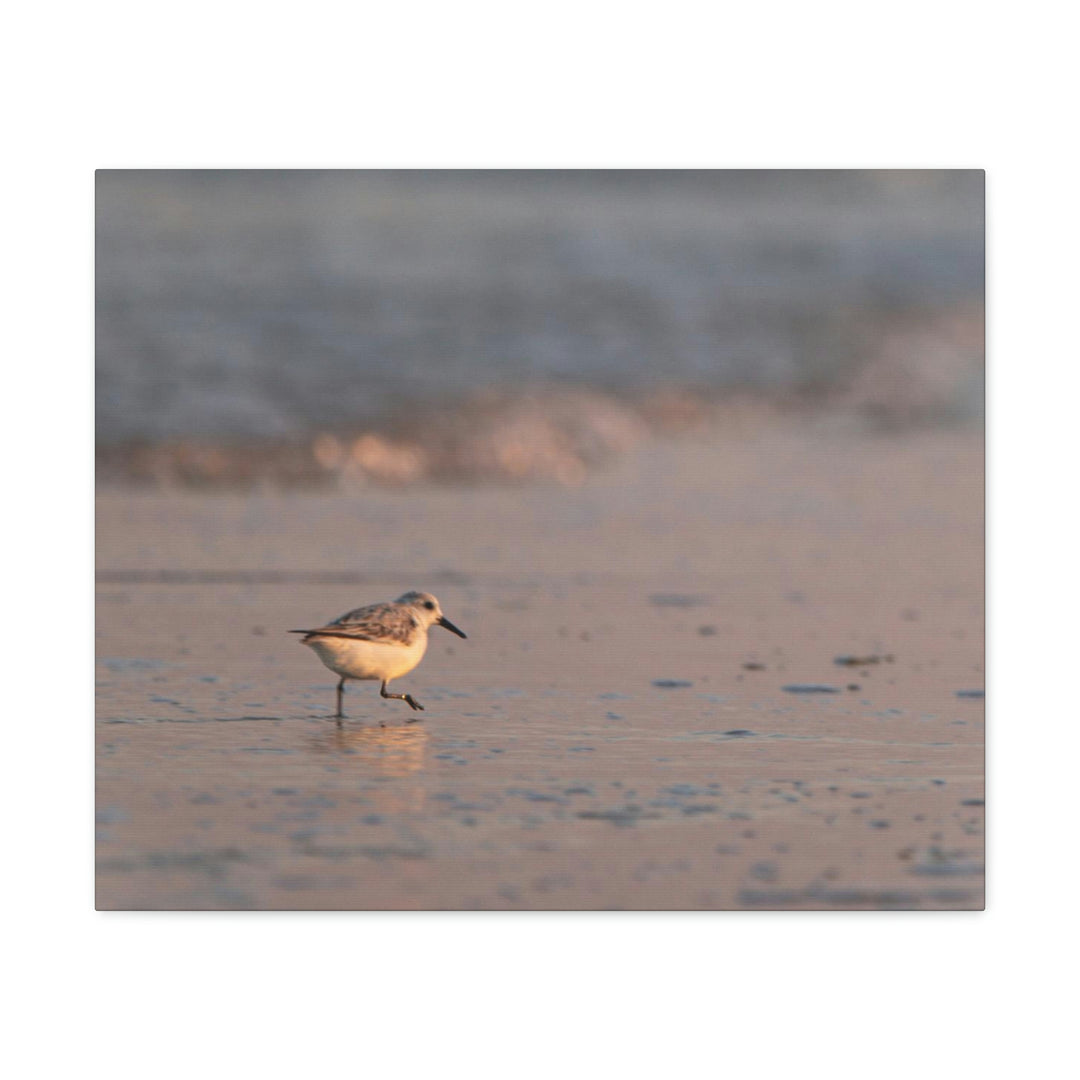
[(403, 697), (339, 715)]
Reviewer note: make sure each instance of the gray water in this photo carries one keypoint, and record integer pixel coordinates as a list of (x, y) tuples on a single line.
[(273, 304)]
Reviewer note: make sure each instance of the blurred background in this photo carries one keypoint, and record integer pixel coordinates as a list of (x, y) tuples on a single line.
[(388, 328)]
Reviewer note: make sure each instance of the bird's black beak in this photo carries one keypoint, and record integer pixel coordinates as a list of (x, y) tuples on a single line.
[(444, 621)]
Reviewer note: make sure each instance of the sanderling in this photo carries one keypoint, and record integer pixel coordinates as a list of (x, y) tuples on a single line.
[(380, 641)]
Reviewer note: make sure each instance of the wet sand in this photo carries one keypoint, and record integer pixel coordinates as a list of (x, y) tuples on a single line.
[(619, 731)]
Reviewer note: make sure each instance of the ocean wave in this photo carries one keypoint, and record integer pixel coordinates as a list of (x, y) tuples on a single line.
[(917, 371)]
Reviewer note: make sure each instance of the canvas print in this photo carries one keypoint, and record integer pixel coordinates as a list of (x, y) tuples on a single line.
[(539, 540)]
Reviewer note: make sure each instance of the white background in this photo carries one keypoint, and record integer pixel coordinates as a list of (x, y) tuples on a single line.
[(937, 85)]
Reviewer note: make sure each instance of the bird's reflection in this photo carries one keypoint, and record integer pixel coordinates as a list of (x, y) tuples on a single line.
[(387, 751)]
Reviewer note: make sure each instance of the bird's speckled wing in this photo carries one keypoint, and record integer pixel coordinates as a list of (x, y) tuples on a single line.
[(376, 622)]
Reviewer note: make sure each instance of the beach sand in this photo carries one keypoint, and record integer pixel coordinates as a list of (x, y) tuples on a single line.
[(615, 733)]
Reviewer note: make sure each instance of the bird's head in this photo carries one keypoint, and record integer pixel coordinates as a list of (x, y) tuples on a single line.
[(427, 610)]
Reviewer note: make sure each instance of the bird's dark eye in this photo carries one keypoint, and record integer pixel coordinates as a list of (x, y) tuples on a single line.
[(429, 605)]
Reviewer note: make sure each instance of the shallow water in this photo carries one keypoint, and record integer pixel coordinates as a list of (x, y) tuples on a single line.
[(550, 770)]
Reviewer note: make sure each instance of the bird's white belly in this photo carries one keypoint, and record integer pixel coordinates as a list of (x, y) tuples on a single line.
[(356, 659)]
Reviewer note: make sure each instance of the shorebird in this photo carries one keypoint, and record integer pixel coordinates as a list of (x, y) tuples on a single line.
[(380, 641)]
